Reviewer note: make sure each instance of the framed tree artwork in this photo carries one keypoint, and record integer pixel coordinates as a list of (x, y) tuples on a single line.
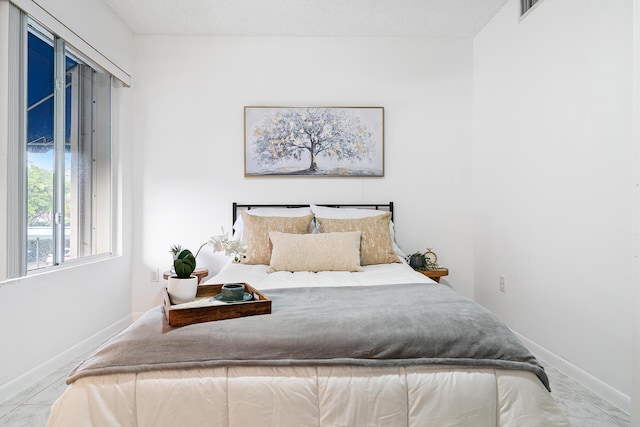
[(314, 141)]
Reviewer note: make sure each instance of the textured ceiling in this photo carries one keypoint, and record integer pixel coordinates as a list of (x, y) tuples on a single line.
[(357, 18)]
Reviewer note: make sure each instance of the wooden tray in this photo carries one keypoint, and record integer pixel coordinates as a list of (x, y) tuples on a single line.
[(177, 316)]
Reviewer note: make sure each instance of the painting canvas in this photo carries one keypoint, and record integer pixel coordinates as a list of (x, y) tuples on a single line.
[(314, 141)]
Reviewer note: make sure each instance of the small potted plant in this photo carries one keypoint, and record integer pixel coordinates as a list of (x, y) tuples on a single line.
[(423, 260), (417, 260), (182, 286)]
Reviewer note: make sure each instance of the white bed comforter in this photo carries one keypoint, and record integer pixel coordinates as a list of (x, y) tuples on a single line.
[(314, 395), (380, 274)]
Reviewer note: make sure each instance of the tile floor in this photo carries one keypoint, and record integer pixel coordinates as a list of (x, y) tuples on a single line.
[(580, 405), (30, 408)]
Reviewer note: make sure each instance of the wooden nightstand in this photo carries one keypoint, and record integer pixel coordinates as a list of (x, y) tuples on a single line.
[(200, 273), (435, 274)]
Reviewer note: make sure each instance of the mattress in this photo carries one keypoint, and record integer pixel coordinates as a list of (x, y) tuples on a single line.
[(313, 395)]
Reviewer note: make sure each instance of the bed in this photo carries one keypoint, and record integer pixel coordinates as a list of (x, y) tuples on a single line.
[(355, 338)]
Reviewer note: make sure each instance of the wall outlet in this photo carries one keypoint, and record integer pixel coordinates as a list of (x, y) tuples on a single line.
[(502, 285), (154, 276)]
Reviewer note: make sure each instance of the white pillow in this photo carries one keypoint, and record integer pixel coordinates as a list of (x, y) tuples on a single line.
[(353, 213), (238, 226), (315, 252)]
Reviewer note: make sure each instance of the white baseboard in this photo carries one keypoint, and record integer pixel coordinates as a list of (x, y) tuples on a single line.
[(136, 315), (599, 387), (41, 371)]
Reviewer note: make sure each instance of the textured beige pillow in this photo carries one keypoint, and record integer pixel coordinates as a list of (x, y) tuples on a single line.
[(375, 246), (256, 234), (315, 252)]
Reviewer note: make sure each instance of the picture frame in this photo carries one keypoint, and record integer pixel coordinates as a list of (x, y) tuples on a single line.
[(314, 141)]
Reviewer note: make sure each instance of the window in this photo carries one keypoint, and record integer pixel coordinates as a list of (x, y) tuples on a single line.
[(62, 155), (525, 5)]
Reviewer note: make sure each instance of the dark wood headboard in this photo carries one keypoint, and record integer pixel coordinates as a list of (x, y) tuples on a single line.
[(377, 206)]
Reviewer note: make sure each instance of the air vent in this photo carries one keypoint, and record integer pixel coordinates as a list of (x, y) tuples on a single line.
[(525, 5)]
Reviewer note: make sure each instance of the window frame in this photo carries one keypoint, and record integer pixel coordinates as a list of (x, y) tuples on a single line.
[(16, 156), (17, 166)]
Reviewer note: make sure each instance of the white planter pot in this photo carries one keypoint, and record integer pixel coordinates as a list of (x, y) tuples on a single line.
[(182, 290)]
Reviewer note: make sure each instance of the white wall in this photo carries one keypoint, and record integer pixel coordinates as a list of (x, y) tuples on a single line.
[(553, 173), (48, 319), (189, 99)]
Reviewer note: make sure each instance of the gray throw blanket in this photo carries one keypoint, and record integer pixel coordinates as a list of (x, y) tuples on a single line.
[(392, 325)]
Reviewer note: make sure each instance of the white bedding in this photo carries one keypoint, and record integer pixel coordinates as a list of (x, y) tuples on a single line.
[(379, 274), (313, 395)]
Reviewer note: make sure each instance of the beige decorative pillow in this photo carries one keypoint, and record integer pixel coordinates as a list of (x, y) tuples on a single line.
[(315, 252), (375, 246), (256, 234)]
